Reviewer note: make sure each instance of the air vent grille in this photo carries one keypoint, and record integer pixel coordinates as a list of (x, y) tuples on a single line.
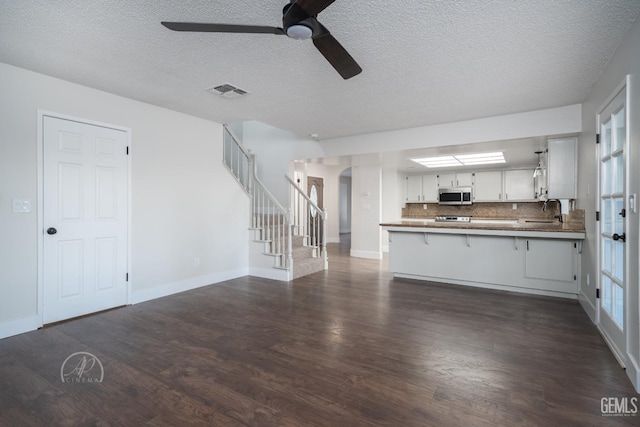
[(227, 90)]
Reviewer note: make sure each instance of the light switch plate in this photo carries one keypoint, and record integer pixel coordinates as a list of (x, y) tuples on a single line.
[(21, 205)]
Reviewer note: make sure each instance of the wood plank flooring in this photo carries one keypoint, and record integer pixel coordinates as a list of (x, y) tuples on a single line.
[(348, 347)]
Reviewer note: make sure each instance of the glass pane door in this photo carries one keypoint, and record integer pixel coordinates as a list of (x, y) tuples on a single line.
[(612, 223)]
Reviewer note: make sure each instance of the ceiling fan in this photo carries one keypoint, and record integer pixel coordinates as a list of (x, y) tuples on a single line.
[(298, 22)]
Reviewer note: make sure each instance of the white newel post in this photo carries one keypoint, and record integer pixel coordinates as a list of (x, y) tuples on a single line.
[(289, 226), (324, 239)]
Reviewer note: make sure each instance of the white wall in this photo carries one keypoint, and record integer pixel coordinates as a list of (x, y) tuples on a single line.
[(366, 206), (554, 121), (185, 203), (275, 151), (625, 61), (391, 201)]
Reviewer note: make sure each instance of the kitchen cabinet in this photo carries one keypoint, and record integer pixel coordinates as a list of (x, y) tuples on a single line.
[(413, 191), (421, 188), (550, 260), (518, 185), (487, 186), (461, 179), (446, 180), (430, 188), (538, 265), (561, 168)]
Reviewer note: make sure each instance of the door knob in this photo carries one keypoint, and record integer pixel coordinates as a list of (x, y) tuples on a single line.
[(51, 231), (617, 236)]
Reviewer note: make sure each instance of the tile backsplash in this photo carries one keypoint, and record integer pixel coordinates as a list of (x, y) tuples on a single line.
[(498, 210)]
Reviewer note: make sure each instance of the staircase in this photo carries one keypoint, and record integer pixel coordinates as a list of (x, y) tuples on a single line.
[(286, 243)]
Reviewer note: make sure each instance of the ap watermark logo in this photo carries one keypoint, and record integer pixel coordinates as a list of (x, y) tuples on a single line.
[(619, 406), (81, 367)]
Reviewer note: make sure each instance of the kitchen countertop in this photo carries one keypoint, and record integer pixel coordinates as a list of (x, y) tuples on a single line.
[(513, 227)]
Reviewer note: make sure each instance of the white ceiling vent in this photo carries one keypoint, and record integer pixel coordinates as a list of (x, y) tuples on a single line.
[(227, 90)]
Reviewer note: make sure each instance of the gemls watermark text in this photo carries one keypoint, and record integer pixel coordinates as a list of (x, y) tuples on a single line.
[(619, 406)]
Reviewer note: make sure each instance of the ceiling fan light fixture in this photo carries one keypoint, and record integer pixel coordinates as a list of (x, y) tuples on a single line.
[(299, 32)]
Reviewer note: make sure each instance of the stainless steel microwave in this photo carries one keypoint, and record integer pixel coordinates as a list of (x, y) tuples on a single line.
[(455, 196)]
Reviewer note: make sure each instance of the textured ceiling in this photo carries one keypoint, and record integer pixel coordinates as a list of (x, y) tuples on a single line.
[(424, 61)]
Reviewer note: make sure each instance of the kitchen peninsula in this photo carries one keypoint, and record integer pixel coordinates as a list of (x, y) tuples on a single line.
[(524, 251)]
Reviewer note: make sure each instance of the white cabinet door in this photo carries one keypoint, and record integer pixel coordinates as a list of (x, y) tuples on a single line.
[(429, 188), (487, 186), (414, 188), (446, 180), (464, 179), (518, 185), (550, 260), (561, 168)]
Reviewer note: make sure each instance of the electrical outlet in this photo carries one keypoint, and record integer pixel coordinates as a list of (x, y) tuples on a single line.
[(514, 206), (196, 262), (424, 206)]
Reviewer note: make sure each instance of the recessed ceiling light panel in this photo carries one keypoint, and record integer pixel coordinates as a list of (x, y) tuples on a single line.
[(461, 160)]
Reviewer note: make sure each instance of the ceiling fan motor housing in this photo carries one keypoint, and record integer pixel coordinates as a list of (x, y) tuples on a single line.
[(298, 24)]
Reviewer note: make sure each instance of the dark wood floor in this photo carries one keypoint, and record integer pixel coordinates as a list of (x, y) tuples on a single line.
[(349, 347)]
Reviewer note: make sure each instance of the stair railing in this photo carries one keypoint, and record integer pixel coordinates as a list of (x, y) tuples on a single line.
[(237, 159), (268, 218), (273, 222), (309, 221)]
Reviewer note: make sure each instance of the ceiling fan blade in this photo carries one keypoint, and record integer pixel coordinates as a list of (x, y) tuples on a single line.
[(314, 7), (222, 28), (337, 55)]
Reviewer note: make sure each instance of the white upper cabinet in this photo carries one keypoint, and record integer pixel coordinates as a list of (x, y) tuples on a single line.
[(421, 188), (430, 188), (460, 179), (413, 189), (561, 168), (487, 186), (446, 180), (518, 185), (464, 179)]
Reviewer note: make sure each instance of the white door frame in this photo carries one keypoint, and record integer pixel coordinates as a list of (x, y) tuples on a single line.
[(40, 184), (624, 85)]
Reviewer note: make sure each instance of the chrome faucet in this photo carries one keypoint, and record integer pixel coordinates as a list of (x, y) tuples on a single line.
[(544, 208)]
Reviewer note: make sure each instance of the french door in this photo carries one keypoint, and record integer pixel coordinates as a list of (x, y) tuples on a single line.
[(612, 258)]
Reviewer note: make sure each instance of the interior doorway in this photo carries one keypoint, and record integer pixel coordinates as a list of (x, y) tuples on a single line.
[(344, 206)]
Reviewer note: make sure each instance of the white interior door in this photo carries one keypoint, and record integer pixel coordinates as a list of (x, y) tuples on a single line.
[(85, 219), (612, 259)]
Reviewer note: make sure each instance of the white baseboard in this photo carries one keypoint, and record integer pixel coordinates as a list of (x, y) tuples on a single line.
[(333, 239), (365, 254), (270, 273), (167, 289), (19, 326), (588, 307), (633, 371)]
